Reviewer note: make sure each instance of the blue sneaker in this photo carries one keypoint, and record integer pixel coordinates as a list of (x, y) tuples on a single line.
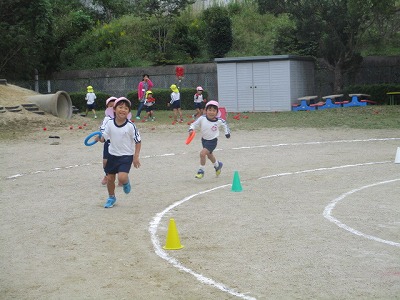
[(200, 174), (218, 169), (110, 202), (127, 187)]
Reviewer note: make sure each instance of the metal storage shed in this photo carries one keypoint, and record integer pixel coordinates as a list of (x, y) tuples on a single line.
[(264, 83)]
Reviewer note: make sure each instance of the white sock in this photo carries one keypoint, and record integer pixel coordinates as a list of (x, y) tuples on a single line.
[(201, 168), (216, 164)]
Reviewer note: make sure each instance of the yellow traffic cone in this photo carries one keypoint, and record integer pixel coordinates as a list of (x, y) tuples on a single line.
[(236, 185), (172, 241)]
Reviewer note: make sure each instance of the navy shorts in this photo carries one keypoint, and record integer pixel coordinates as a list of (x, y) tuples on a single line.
[(117, 164), (210, 145), (149, 108), (199, 105), (91, 106), (105, 149), (176, 104)]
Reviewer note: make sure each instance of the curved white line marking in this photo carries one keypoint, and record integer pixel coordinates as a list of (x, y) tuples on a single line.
[(163, 254), (328, 214)]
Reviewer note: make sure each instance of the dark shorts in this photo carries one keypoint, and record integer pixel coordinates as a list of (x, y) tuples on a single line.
[(105, 149), (117, 164), (91, 106), (198, 105), (210, 145), (149, 108), (176, 104)]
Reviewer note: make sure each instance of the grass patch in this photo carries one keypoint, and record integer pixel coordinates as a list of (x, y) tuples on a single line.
[(369, 117)]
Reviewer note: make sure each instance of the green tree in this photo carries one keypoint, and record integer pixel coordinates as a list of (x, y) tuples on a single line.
[(112, 9), (217, 31), (186, 39), (332, 30), (163, 12), (27, 40)]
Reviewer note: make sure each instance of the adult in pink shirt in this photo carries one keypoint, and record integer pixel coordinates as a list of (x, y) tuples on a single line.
[(144, 86)]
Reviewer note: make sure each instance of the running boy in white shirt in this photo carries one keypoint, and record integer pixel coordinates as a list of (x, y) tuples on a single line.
[(90, 101), (209, 125), (124, 148)]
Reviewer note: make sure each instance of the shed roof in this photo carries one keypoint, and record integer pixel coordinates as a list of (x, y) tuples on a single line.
[(262, 58)]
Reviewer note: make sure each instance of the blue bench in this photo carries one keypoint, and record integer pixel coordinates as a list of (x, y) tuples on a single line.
[(305, 103)]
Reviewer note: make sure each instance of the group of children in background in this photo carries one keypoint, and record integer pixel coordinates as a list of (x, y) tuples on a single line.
[(122, 141)]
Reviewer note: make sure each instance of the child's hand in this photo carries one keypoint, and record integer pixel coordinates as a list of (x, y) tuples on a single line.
[(136, 163), (228, 135)]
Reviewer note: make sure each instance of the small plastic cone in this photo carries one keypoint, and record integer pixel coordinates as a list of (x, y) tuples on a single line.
[(172, 240), (397, 159), (236, 185)]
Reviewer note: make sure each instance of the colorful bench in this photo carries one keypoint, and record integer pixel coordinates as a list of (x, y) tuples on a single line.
[(357, 100), (304, 103)]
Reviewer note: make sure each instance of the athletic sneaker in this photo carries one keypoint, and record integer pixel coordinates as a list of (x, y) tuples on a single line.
[(137, 118), (127, 187), (218, 169), (95, 116), (110, 202), (200, 174)]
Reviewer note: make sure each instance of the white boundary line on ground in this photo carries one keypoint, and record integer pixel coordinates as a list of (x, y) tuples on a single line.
[(328, 214), (164, 255), (235, 148)]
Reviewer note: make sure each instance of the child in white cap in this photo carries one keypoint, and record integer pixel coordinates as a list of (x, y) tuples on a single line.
[(209, 124), (124, 149), (199, 102)]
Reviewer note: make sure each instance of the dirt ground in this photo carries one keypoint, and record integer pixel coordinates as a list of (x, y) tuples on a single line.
[(318, 218)]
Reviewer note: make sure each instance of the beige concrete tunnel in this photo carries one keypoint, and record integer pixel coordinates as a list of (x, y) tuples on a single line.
[(58, 104)]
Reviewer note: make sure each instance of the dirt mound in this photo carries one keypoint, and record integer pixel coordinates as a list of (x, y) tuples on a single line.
[(21, 123), (12, 95)]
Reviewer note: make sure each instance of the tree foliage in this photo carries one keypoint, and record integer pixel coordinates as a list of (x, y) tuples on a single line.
[(26, 37), (330, 29), (163, 12), (218, 31), (48, 35)]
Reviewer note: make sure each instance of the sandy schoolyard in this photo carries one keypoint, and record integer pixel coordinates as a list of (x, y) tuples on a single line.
[(318, 218)]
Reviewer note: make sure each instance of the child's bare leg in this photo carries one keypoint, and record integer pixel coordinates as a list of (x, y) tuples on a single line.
[(203, 154), (211, 157), (175, 114), (123, 177), (111, 184)]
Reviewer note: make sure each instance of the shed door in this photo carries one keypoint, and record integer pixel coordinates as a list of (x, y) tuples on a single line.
[(261, 82), (245, 97), (253, 86)]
